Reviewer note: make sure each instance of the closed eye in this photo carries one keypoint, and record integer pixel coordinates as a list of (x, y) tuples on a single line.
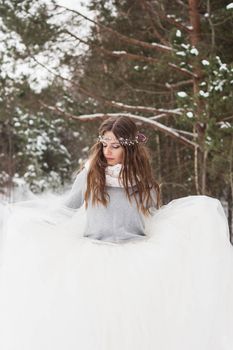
[(113, 146)]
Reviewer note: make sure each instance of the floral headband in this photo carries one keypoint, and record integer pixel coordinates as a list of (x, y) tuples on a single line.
[(139, 138)]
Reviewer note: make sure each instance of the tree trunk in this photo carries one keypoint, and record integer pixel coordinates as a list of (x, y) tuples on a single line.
[(230, 204), (200, 160)]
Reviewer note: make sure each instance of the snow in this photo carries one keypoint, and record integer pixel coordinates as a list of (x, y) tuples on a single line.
[(86, 149), (194, 51), (182, 94), (219, 84), (205, 63), (181, 53), (225, 125), (80, 6), (229, 6), (178, 33), (189, 114), (162, 46), (185, 46), (187, 50), (51, 55), (119, 52), (203, 93), (203, 83), (223, 67)]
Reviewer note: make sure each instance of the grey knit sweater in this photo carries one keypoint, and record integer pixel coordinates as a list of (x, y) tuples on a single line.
[(119, 221)]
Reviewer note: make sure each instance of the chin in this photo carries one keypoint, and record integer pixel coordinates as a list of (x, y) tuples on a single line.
[(111, 162)]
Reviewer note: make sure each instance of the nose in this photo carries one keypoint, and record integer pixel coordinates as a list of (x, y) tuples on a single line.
[(107, 150)]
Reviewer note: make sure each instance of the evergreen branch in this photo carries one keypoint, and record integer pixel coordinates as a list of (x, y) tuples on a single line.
[(127, 55), (113, 103), (170, 20), (146, 6), (122, 37), (118, 54)]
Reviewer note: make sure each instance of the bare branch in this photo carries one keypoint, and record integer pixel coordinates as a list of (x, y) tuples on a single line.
[(124, 38), (186, 133), (130, 56), (158, 116), (147, 8), (179, 84), (113, 103), (118, 54), (154, 124), (182, 4), (226, 118), (177, 24), (126, 55), (183, 70), (144, 109)]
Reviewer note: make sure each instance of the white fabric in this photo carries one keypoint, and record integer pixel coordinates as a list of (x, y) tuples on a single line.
[(172, 290), (112, 173)]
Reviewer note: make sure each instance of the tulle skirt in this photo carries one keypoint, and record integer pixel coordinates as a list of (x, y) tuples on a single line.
[(172, 290)]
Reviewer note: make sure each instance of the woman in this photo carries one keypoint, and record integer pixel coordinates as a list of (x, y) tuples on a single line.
[(116, 181), (68, 282)]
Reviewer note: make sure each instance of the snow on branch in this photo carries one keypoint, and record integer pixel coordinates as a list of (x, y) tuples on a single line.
[(118, 54), (152, 123), (176, 111), (183, 70), (177, 24), (119, 105), (158, 116), (179, 84), (130, 56)]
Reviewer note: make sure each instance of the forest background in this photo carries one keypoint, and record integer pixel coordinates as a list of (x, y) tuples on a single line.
[(166, 64)]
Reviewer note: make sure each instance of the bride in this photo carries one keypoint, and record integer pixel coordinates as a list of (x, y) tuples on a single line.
[(106, 267)]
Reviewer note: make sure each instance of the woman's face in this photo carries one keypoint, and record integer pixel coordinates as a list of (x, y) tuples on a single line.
[(112, 150)]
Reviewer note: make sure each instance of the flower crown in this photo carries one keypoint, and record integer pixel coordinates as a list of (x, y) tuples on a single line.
[(139, 138)]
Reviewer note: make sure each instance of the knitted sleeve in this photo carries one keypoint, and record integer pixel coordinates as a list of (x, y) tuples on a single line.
[(75, 198)]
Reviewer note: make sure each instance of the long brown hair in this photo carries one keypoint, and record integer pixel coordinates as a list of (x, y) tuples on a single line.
[(136, 169)]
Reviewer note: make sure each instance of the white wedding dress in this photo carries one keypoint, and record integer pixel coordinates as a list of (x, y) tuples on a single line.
[(172, 290)]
